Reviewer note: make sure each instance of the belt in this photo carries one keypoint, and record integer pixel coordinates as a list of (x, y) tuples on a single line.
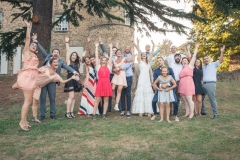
[(209, 82)]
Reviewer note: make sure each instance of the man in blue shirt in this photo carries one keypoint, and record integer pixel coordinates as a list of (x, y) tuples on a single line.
[(210, 78)]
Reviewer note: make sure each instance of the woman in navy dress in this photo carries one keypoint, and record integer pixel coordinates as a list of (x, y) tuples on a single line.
[(197, 78)]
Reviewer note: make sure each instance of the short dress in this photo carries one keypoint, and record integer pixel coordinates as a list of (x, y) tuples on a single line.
[(119, 80), (197, 79), (186, 85), (73, 84), (163, 96), (103, 88), (28, 74), (44, 77)]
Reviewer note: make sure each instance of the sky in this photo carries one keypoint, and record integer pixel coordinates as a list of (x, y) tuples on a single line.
[(174, 37)]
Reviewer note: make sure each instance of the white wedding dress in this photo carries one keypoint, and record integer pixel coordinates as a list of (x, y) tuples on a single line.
[(142, 102)]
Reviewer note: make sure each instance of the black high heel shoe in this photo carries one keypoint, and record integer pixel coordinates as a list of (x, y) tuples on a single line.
[(68, 115)]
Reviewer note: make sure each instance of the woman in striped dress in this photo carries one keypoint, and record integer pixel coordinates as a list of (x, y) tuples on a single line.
[(88, 98)]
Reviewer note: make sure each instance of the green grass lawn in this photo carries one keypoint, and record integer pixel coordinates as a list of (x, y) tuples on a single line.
[(135, 138)]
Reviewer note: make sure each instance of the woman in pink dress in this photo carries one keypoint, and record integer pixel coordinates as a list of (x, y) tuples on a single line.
[(119, 79), (186, 86), (46, 75), (103, 89), (27, 76)]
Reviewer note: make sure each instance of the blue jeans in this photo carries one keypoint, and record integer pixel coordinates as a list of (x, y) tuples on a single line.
[(126, 95)]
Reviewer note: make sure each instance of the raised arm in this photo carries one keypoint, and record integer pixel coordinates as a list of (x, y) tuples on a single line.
[(84, 55), (138, 49), (151, 54), (187, 51), (96, 54), (111, 53), (25, 53), (67, 50), (222, 49), (168, 48), (191, 64), (89, 46)]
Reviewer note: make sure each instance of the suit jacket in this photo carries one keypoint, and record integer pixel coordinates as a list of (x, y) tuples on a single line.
[(61, 63)]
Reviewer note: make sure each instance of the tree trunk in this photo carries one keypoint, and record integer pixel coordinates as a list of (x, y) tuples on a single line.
[(42, 17)]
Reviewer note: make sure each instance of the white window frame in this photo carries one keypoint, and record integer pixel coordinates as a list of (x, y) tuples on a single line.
[(62, 26), (127, 19)]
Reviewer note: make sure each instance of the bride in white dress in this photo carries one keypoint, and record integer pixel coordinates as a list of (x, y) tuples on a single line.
[(142, 102)]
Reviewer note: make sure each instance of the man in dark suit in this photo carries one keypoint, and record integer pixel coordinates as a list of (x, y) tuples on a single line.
[(50, 88), (157, 72)]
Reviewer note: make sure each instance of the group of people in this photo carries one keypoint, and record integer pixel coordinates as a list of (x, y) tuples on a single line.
[(111, 75)]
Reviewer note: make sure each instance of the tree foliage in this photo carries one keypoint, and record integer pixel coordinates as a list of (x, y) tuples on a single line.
[(139, 12), (221, 29)]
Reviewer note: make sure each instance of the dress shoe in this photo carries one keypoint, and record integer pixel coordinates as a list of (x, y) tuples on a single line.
[(41, 118), (215, 116), (53, 117), (203, 114)]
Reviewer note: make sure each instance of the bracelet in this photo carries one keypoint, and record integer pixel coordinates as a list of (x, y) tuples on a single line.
[(66, 42)]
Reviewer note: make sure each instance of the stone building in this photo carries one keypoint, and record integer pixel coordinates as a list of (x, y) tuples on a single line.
[(109, 31)]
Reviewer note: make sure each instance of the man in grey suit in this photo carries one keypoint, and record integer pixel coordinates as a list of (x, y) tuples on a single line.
[(51, 87)]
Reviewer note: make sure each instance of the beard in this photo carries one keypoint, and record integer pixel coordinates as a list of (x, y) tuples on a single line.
[(177, 60)]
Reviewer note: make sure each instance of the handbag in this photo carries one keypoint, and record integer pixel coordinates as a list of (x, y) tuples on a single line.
[(79, 86)]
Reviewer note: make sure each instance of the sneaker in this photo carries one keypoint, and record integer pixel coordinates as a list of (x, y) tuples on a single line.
[(104, 116), (94, 117), (176, 119), (116, 107), (121, 115), (153, 117), (128, 115)]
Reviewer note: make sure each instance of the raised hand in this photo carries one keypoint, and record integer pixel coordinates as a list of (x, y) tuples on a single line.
[(96, 44), (110, 45), (152, 42), (28, 24), (84, 53), (197, 44), (169, 43), (34, 36), (222, 49), (132, 39), (138, 40), (100, 39), (89, 39), (188, 46), (66, 38)]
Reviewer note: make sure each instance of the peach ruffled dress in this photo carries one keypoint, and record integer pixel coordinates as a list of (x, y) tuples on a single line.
[(44, 77), (27, 76)]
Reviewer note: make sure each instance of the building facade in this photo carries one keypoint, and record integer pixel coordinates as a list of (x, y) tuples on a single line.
[(94, 27)]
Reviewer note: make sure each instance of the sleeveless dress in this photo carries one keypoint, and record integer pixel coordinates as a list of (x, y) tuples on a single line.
[(104, 88), (28, 74), (119, 80), (142, 102), (164, 96), (197, 79), (186, 85), (88, 98), (73, 84), (43, 79)]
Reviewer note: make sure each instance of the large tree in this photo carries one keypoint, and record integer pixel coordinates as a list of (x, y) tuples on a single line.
[(223, 27), (139, 12)]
